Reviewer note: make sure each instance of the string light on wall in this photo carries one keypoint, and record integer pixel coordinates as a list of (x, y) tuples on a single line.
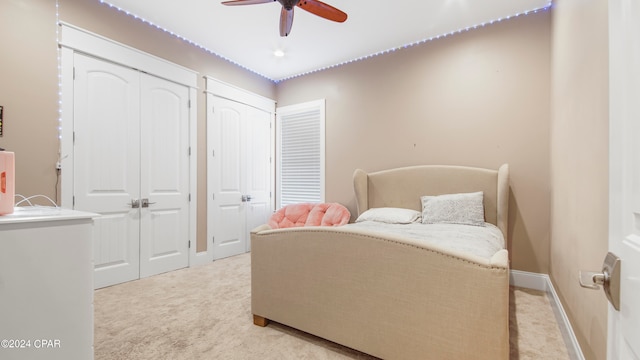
[(59, 55), (59, 59), (365, 57), (419, 42), (180, 37)]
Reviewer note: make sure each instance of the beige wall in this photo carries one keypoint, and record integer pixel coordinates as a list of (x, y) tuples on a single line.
[(29, 93), (579, 163), (480, 99)]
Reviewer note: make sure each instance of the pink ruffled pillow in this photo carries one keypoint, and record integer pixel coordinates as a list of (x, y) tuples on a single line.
[(290, 216), (306, 214)]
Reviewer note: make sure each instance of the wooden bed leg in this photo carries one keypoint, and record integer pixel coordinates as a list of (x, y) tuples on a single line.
[(260, 321)]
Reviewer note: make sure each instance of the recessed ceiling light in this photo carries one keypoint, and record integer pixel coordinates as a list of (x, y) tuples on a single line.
[(278, 53)]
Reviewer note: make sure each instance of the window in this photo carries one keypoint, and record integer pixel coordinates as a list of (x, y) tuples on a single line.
[(300, 153)]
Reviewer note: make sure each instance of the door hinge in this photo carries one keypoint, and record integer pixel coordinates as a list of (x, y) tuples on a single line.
[(213, 239), (189, 150), (74, 73), (213, 196), (189, 103), (73, 200), (74, 138), (213, 153), (189, 197), (189, 244)]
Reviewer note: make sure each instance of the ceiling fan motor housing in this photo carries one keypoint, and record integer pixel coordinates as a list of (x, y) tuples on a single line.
[(289, 4)]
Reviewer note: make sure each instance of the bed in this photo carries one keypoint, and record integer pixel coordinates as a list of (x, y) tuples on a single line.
[(386, 294)]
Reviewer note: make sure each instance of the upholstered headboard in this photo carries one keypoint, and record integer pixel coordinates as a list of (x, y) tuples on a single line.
[(403, 187)]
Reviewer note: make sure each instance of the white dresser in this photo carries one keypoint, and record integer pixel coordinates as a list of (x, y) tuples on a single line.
[(46, 284)]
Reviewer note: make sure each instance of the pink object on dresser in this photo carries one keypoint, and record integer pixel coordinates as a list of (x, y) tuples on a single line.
[(7, 182), (307, 214)]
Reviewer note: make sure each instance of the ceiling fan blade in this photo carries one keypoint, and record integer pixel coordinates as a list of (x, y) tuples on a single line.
[(321, 9), (245, 2), (286, 21)]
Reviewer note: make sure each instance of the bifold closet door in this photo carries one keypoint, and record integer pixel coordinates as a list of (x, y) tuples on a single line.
[(131, 165)]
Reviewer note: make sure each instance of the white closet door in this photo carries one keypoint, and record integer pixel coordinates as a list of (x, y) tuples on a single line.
[(226, 176), (239, 173), (164, 170), (259, 165), (132, 147), (107, 163)]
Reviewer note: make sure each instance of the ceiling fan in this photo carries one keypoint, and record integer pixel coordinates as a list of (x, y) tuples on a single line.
[(315, 7)]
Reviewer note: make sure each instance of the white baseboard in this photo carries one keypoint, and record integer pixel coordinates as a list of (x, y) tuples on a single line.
[(542, 282), (529, 280)]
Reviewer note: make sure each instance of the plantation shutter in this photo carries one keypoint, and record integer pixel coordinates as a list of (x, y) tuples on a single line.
[(300, 153)]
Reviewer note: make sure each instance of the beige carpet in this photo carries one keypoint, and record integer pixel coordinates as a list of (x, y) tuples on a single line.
[(205, 313)]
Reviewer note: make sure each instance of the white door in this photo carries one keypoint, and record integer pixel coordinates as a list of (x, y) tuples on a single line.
[(131, 149), (107, 163), (624, 177), (259, 165), (164, 175), (239, 178), (226, 176)]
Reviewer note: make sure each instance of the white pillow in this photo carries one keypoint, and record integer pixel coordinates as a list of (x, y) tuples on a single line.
[(390, 215), (464, 208)]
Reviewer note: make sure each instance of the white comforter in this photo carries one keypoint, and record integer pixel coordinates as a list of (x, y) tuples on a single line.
[(482, 241)]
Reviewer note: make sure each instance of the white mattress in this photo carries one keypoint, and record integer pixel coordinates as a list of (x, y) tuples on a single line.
[(482, 241)]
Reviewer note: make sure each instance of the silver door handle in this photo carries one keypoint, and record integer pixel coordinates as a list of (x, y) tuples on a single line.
[(246, 198), (145, 203), (593, 280), (135, 203), (609, 279)]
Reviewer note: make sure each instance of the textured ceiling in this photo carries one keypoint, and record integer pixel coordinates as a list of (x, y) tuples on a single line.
[(249, 35)]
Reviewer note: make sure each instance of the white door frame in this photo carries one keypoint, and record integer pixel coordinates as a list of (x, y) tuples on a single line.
[(224, 90), (74, 39)]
